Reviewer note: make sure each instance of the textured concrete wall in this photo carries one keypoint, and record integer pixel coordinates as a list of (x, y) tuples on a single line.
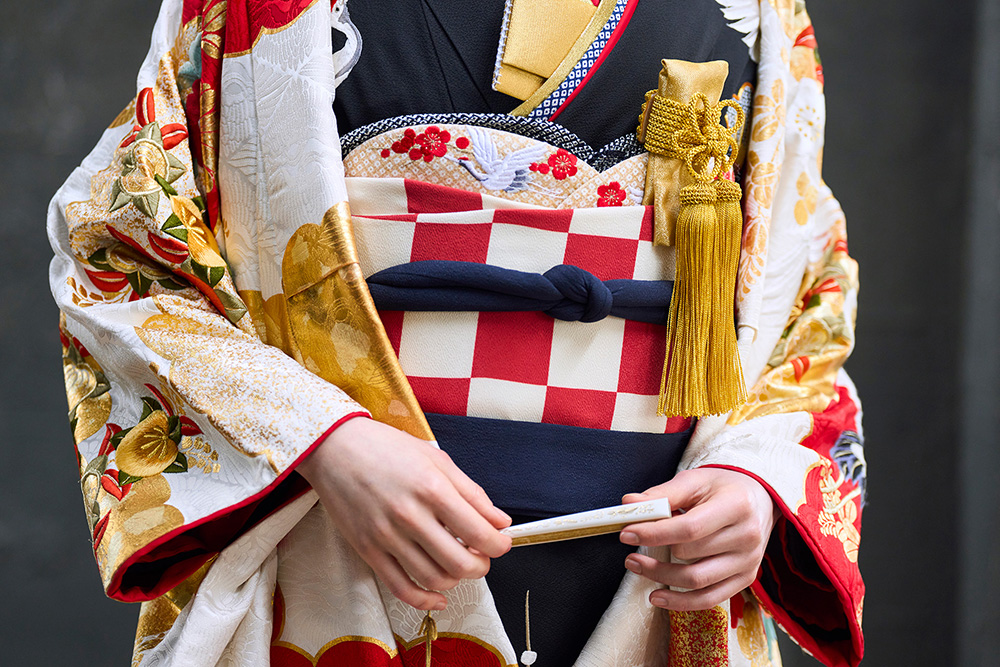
[(898, 80)]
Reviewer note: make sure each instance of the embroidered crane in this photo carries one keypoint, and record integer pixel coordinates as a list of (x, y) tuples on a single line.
[(509, 173)]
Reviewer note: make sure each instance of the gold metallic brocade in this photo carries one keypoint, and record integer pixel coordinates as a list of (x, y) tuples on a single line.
[(665, 176), (540, 33), (335, 325), (569, 61), (270, 320), (699, 638)]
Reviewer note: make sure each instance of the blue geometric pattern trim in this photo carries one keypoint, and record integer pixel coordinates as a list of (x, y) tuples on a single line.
[(576, 76)]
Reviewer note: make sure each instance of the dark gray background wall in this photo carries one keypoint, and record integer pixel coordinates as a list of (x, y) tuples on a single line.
[(923, 219)]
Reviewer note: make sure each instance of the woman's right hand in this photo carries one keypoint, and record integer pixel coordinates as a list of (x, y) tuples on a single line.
[(401, 503)]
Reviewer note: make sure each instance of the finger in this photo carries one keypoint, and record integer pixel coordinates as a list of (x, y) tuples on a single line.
[(683, 491), (698, 600), (401, 586), (458, 561), (738, 538), (472, 492), (421, 567), (465, 522), (697, 523), (699, 575)]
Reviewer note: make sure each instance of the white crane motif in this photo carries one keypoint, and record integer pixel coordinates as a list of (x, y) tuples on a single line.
[(509, 173)]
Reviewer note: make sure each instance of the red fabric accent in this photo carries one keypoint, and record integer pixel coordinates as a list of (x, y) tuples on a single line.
[(228, 522), (608, 48), (588, 408), (646, 231), (392, 321), (513, 346), (643, 349), (447, 396), (456, 242), (246, 20), (839, 416), (605, 257), (556, 221), (424, 197), (350, 653), (450, 652), (398, 217), (806, 38), (190, 9), (831, 655), (107, 281)]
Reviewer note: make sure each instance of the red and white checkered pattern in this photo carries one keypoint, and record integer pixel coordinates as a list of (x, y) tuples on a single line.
[(523, 366)]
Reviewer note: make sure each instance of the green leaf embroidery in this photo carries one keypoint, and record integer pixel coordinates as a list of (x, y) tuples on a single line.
[(180, 464)]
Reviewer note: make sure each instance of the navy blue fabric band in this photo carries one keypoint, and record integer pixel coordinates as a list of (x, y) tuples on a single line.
[(544, 470), (565, 292)]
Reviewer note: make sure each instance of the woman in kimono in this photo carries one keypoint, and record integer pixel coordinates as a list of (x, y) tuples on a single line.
[(442, 219)]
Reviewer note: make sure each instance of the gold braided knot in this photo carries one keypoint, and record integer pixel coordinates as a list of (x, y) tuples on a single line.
[(692, 133)]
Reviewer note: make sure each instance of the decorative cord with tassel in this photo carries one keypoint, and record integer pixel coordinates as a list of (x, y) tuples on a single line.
[(528, 656), (428, 628), (701, 372)]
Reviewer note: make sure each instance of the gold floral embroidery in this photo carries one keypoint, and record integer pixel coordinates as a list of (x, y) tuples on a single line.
[(808, 193), (200, 455), (839, 513), (768, 112)]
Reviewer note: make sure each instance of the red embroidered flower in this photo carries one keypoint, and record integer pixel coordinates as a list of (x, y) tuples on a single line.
[(433, 143), (540, 167), (404, 144), (385, 152), (563, 164), (462, 142), (610, 194)]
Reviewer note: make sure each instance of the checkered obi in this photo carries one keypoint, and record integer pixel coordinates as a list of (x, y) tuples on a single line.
[(500, 311)]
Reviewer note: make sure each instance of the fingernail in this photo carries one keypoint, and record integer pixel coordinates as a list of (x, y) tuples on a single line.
[(633, 565), (440, 606), (504, 514), (630, 538)]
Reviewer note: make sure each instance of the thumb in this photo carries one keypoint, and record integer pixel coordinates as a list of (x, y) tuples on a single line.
[(683, 491)]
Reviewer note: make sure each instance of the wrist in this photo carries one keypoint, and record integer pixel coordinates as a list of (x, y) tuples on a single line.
[(331, 442)]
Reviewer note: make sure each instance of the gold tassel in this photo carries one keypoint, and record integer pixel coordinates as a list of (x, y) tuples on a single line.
[(701, 371), (428, 628), (683, 385), (726, 388)]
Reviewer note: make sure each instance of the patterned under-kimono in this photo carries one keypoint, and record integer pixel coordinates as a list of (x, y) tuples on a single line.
[(438, 214)]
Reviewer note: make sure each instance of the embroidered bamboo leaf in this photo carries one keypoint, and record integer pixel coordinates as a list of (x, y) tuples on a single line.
[(235, 310), (149, 405), (174, 227), (125, 478), (169, 189), (180, 464), (99, 260), (167, 283)]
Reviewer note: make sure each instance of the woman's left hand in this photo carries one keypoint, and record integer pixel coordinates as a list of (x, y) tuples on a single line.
[(727, 521)]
